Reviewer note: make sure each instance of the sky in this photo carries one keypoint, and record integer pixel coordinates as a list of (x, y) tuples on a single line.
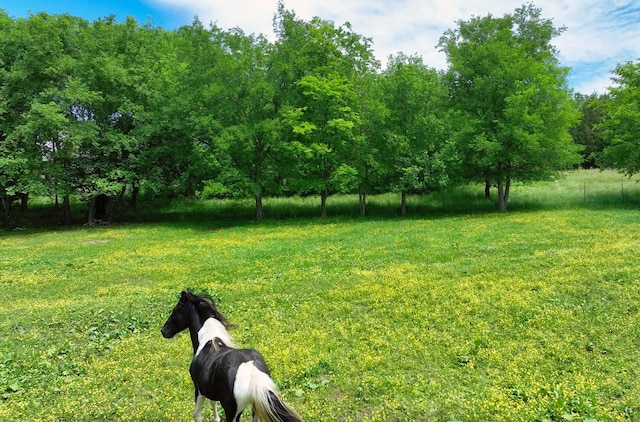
[(599, 33)]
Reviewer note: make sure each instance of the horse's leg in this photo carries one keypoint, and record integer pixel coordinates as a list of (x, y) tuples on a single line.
[(216, 416), (231, 410), (197, 412)]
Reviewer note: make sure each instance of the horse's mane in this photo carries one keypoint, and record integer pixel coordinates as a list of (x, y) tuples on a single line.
[(205, 299)]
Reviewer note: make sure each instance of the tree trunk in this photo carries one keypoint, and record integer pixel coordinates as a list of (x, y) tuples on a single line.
[(24, 200), (323, 204), (135, 189), (92, 210), (101, 208), (487, 190), (259, 208), (503, 194), (507, 190), (403, 203), (66, 210), (114, 211), (362, 203), (5, 209)]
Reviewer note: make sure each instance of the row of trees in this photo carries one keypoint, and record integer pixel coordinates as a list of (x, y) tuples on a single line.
[(111, 109)]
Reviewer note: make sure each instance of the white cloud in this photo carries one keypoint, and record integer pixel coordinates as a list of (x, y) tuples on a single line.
[(603, 33)]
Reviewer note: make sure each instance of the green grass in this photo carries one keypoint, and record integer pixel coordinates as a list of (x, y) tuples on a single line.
[(575, 189), (455, 315)]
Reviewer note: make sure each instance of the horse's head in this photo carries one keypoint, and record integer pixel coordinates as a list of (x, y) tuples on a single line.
[(179, 318), (191, 307)]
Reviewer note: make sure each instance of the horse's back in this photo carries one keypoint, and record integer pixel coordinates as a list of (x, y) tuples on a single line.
[(237, 357), (215, 371)]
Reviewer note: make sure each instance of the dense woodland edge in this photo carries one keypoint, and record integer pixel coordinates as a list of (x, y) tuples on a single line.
[(111, 113)]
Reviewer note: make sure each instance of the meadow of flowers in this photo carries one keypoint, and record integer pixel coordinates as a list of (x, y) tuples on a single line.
[(530, 315)]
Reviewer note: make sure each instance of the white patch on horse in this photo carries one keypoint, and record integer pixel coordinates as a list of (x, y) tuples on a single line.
[(251, 385), (242, 385), (211, 329), (197, 413)]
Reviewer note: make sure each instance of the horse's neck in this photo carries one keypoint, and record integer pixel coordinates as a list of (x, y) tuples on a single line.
[(211, 328)]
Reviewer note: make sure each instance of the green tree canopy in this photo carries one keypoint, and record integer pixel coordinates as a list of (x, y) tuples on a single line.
[(419, 151), (74, 92), (513, 97), (319, 102), (107, 107), (585, 131), (621, 125)]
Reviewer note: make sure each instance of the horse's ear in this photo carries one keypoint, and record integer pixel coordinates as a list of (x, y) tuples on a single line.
[(183, 296)]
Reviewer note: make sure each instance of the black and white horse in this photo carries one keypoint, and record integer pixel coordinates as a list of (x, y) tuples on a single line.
[(236, 378)]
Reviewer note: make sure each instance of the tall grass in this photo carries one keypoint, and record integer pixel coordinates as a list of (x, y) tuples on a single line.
[(577, 188)]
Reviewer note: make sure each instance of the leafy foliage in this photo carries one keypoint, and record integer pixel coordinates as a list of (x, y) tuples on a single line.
[(516, 108), (621, 125), (586, 132), (114, 109), (418, 129)]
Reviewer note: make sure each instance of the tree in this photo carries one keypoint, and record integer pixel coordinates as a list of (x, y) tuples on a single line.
[(184, 116), (12, 165), (419, 153), (40, 55), (370, 160), (319, 102), (621, 125), (585, 132), (116, 66), (327, 130), (249, 138), (513, 98), (74, 94)]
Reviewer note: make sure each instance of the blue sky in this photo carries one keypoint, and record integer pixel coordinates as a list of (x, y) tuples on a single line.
[(599, 35), (164, 15)]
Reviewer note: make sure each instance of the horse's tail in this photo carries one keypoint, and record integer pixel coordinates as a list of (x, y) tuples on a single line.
[(267, 405)]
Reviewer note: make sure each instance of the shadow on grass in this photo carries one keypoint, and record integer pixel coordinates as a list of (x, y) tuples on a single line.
[(602, 191)]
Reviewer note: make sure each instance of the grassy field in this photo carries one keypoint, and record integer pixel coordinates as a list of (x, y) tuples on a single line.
[(454, 313), (579, 189)]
